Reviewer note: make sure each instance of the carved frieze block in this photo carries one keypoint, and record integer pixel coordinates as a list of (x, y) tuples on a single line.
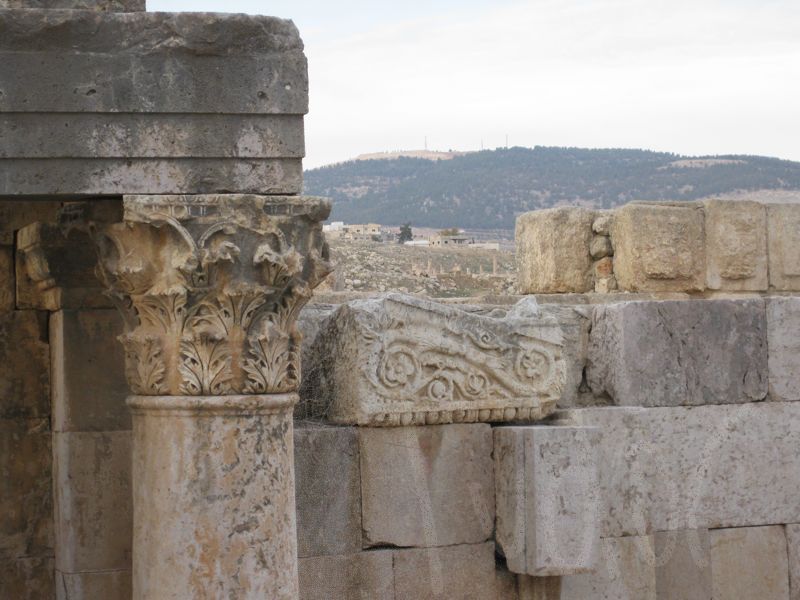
[(210, 287), (402, 360)]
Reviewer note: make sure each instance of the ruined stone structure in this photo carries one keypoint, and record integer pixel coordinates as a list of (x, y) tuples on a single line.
[(628, 429)]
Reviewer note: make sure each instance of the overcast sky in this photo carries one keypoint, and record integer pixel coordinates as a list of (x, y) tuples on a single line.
[(685, 76)]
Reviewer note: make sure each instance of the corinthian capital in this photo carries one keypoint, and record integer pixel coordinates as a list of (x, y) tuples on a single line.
[(210, 287)]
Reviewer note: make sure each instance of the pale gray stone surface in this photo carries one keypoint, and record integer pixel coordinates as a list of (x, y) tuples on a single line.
[(547, 497), (327, 490), (26, 490), (88, 371), (750, 562), (465, 572), (24, 366), (100, 5), (736, 245), (626, 572), (427, 486), (659, 247), (783, 233), (793, 544), (683, 565), (93, 512), (679, 353), (783, 331), (553, 251), (401, 360), (114, 135), (696, 467), (111, 585), (360, 576), (575, 322)]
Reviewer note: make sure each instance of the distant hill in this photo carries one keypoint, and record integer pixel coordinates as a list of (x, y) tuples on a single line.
[(488, 189)]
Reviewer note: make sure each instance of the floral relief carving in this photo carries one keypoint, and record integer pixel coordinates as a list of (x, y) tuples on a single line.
[(210, 288)]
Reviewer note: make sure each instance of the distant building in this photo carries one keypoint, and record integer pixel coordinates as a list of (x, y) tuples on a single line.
[(449, 240)]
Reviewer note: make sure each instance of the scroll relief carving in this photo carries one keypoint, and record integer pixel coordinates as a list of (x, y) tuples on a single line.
[(210, 288), (404, 360)]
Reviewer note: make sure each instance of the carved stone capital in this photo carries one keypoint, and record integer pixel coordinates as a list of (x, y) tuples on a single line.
[(210, 287)]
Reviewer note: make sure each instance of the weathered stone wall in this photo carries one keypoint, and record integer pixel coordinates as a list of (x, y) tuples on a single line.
[(693, 247)]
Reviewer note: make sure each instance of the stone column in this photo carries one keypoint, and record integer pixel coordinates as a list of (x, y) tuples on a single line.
[(210, 288)]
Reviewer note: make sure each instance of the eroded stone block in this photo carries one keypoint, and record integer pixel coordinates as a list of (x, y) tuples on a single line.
[(114, 585), (793, 544), (88, 369), (679, 352), (539, 588), (783, 332), (548, 507), (16, 214), (26, 578), (553, 251), (783, 233), (93, 503), (750, 562), (328, 490), (683, 565), (659, 247), (403, 360), (24, 366), (427, 486), (360, 576), (664, 469), (465, 572), (626, 572), (736, 245), (7, 284), (26, 491)]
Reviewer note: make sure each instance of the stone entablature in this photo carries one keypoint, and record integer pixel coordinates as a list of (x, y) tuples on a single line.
[(210, 288), (694, 247), (401, 360)]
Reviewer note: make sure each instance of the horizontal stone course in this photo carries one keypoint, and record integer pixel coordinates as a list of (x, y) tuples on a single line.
[(70, 176), (675, 468), (679, 353), (363, 575), (127, 135), (99, 5)]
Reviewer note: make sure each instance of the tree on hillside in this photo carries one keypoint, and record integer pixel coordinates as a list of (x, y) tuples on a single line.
[(405, 235)]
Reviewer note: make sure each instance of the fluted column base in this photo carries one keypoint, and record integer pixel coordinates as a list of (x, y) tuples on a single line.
[(213, 495)]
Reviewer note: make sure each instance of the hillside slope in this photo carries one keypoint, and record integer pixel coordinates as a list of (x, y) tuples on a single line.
[(489, 189)]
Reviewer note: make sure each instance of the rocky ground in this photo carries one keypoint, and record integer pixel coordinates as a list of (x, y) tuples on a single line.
[(437, 273)]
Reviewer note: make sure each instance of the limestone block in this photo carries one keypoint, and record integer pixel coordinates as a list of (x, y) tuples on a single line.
[(24, 366), (539, 588), (626, 572), (26, 490), (659, 247), (783, 336), (427, 486), (7, 283), (793, 543), (328, 490), (600, 247), (736, 245), (750, 562), (404, 360), (360, 576), (88, 370), (783, 233), (26, 578), (114, 585), (553, 251), (59, 176), (464, 571), (505, 584), (548, 508), (15, 214), (683, 565), (214, 63), (679, 352), (56, 269), (99, 5), (114, 135), (665, 469), (603, 222), (93, 513), (574, 322)]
